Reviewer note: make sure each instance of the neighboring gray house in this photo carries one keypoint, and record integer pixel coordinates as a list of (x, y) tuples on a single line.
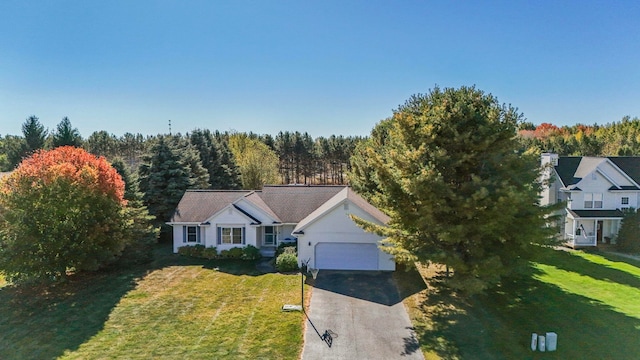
[(596, 190), (318, 216)]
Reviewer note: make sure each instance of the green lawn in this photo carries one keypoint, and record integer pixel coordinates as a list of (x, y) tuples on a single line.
[(178, 309), (591, 301)]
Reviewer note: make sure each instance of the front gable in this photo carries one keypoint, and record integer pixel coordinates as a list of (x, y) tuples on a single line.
[(336, 219), (254, 212), (595, 181), (232, 215)]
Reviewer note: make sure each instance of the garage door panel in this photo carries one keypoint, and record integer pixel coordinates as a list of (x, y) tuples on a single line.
[(346, 256)]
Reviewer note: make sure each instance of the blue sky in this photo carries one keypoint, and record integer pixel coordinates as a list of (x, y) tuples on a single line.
[(324, 67)]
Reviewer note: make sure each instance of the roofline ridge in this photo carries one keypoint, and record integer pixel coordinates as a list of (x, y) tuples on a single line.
[(216, 190)]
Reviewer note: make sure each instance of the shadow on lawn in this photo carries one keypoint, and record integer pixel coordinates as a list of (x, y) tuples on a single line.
[(43, 322), (498, 325), (566, 261)]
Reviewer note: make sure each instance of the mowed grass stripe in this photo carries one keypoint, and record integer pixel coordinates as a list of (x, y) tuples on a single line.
[(193, 312)]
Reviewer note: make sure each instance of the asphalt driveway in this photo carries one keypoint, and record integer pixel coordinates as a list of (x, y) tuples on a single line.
[(365, 316)]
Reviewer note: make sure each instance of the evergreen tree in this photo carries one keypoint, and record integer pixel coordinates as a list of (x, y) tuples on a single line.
[(167, 171), (142, 233), (629, 234), (102, 143), (211, 155), (66, 135), (34, 134), (446, 169)]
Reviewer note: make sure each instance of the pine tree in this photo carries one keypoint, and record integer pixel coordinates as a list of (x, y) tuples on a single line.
[(66, 135), (446, 169), (167, 171), (142, 234), (34, 134), (215, 161)]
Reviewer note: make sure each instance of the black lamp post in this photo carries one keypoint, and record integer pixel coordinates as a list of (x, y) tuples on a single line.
[(303, 270), (314, 273)]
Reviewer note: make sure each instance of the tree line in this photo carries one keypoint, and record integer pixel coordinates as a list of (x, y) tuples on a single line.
[(296, 157), (162, 167), (620, 138)]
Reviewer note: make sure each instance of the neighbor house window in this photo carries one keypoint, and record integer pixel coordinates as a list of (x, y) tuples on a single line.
[(191, 234), (588, 200), (231, 235), (625, 200), (593, 200), (597, 201)]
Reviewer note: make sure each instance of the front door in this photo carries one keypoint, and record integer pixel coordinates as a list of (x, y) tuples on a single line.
[(599, 232), (269, 235)]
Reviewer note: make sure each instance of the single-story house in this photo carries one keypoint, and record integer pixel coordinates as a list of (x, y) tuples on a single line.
[(317, 216)]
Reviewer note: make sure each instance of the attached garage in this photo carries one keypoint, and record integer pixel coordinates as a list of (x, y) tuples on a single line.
[(329, 239), (346, 256)]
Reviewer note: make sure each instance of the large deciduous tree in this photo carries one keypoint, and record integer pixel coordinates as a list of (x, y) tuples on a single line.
[(446, 169), (61, 210), (257, 162)]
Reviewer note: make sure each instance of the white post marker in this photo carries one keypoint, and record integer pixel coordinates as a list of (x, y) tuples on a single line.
[(541, 346), (534, 341), (552, 341)]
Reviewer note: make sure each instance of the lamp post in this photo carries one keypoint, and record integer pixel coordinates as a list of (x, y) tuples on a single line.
[(303, 269)]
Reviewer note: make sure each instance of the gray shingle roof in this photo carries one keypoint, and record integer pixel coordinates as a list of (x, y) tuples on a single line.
[(197, 206), (292, 203), (344, 194), (256, 200), (286, 203)]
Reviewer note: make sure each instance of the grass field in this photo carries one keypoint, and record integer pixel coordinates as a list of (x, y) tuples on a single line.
[(178, 309), (591, 301)]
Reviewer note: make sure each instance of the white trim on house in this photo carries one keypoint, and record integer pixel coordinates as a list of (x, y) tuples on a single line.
[(324, 219)]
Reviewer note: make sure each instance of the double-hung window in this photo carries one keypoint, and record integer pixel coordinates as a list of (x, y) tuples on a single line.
[(191, 234), (231, 235), (588, 200), (597, 201), (593, 200)]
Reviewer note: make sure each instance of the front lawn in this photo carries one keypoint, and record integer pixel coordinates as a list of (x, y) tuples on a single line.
[(179, 309), (592, 301)]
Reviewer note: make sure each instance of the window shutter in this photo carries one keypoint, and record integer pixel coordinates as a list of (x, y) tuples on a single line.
[(184, 234), (219, 235), (243, 237), (198, 235)]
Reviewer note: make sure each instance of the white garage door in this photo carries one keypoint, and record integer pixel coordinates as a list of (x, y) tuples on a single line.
[(346, 256)]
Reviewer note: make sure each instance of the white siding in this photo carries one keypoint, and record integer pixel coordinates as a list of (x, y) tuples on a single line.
[(337, 227), (613, 173), (208, 233)]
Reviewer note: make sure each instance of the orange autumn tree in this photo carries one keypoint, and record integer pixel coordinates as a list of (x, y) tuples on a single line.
[(61, 210)]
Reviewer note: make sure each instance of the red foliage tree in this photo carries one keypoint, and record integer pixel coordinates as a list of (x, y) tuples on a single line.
[(61, 210), (73, 164), (545, 130)]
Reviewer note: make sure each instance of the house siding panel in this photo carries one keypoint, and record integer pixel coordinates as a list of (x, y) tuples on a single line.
[(336, 226)]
